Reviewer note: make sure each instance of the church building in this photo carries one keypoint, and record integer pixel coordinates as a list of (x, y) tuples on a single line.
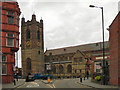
[(32, 46)]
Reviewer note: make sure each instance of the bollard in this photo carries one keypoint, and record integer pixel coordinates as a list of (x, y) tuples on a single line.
[(48, 79), (84, 78), (87, 77), (14, 82), (81, 80), (17, 78)]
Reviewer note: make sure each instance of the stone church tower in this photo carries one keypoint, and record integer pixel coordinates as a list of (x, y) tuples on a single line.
[(32, 46)]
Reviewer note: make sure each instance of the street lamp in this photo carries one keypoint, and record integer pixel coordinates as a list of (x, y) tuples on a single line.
[(103, 61)]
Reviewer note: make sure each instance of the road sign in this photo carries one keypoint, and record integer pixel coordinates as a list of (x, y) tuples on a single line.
[(48, 67)]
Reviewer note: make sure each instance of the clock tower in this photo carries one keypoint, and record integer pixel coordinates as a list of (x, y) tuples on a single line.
[(32, 46)]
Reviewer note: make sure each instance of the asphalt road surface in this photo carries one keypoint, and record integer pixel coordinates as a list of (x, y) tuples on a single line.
[(33, 84), (68, 83), (58, 83)]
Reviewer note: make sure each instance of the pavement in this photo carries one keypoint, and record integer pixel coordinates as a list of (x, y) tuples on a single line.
[(89, 83), (11, 85)]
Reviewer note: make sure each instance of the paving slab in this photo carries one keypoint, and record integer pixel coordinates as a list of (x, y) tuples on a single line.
[(11, 85), (88, 82)]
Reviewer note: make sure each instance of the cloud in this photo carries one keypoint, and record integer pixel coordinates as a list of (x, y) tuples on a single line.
[(64, 21), (68, 23)]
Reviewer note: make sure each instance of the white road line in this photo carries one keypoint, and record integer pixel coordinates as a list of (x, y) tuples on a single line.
[(50, 86), (54, 86)]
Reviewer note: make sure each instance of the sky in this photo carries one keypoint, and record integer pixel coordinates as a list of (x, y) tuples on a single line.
[(70, 22)]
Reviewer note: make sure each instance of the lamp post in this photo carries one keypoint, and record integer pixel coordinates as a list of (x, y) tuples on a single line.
[(103, 61)]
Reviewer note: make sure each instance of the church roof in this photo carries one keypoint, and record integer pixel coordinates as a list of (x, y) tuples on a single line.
[(73, 49)]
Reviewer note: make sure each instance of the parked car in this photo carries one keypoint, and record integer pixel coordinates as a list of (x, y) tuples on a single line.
[(42, 76), (30, 78)]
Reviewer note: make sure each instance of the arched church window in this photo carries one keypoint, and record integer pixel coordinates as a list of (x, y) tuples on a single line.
[(54, 69), (61, 69), (69, 68), (38, 34), (28, 34)]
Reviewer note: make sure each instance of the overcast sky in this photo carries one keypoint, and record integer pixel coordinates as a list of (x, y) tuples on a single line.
[(70, 22)]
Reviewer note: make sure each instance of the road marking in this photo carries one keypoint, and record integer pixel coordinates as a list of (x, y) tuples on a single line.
[(54, 86), (20, 86), (50, 86), (33, 84)]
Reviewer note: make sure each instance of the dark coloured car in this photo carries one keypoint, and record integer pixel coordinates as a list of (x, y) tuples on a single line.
[(29, 78)]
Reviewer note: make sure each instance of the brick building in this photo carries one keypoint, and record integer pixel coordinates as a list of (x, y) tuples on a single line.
[(114, 39), (97, 58), (10, 13), (32, 46), (74, 61)]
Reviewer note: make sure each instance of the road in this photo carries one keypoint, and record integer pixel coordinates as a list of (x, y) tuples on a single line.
[(69, 83), (33, 84), (58, 83)]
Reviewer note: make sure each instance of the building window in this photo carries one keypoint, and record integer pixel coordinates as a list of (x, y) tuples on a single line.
[(69, 68), (4, 65), (10, 19), (56, 59), (70, 58), (50, 54), (98, 67), (10, 42), (66, 58), (80, 59), (10, 13), (61, 69), (54, 69), (16, 42), (98, 70), (17, 19), (10, 35), (75, 59), (27, 34), (4, 59), (38, 34), (17, 36)]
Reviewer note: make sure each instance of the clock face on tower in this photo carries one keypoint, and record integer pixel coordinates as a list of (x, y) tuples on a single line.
[(38, 43), (27, 43)]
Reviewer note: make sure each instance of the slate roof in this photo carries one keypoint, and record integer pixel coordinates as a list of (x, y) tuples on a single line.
[(73, 49)]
